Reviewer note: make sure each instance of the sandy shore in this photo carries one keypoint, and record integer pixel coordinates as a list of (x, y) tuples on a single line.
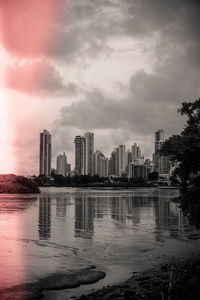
[(176, 280)]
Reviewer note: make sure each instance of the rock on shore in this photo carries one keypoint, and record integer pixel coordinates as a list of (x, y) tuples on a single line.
[(13, 184)]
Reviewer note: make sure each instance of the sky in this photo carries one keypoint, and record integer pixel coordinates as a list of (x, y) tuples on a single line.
[(118, 68)]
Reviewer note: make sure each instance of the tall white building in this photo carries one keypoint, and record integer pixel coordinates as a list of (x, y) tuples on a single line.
[(84, 154), (100, 164), (45, 153), (61, 164), (136, 152)]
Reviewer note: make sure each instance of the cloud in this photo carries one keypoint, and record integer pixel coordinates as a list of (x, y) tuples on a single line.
[(85, 40), (75, 30), (39, 78), (27, 27)]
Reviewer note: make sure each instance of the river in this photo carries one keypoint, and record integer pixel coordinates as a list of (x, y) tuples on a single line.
[(118, 231)]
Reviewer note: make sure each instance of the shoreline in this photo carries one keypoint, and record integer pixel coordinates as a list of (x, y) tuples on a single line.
[(178, 280)]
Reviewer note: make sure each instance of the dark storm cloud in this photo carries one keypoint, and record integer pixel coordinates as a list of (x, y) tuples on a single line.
[(140, 111), (151, 103), (91, 23), (38, 78), (85, 26)]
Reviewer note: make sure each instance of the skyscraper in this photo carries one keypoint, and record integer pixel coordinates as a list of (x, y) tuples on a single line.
[(89, 153), (112, 163), (100, 164), (122, 159), (61, 164), (117, 159), (159, 139), (161, 163), (136, 152), (45, 153), (79, 155)]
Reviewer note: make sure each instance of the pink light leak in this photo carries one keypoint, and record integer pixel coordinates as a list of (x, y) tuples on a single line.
[(28, 26), (11, 259), (27, 31)]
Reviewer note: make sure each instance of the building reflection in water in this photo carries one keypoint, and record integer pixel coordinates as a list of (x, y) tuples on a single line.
[(44, 221), (61, 207), (100, 207), (118, 208), (168, 216), (132, 210), (84, 216), (128, 209)]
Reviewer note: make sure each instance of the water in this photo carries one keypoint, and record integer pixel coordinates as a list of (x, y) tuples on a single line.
[(119, 231)]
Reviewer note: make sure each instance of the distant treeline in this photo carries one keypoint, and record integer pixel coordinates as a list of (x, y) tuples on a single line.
[(87, 180)]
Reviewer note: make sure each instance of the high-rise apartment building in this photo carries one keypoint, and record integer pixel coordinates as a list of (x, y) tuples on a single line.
[(161, 163), (89, 153), (100, 164), (45, 153), (159, 139), (122, 159), (117, 160), (84, 154), (79, 155), (61, 164), (136, 152), (112, 163)]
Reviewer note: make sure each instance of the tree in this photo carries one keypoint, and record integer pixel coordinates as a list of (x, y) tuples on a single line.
[(153, 176), (184, 152), (184, 149)]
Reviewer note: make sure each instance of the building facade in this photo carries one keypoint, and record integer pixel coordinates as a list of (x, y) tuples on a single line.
[(79, 155), (61, 162), (161, 163), (100, 164), (137, 171), (136, 152), (89, 153), (45, 153)]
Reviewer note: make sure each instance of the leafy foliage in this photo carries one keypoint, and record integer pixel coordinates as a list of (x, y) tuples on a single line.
[(184, 152), (184, 149), (153, 176)]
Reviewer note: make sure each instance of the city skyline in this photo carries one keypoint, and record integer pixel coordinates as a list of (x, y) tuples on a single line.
[(90, 161), (118, 68)]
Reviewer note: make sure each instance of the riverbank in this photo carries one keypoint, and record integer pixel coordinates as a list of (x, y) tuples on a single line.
[(177, 280)]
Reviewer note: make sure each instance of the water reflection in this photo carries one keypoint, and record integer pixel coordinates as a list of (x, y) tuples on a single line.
[(168, 217), (44, 221), (127, 209), (13, 203), (84, 216), (61, 207)]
